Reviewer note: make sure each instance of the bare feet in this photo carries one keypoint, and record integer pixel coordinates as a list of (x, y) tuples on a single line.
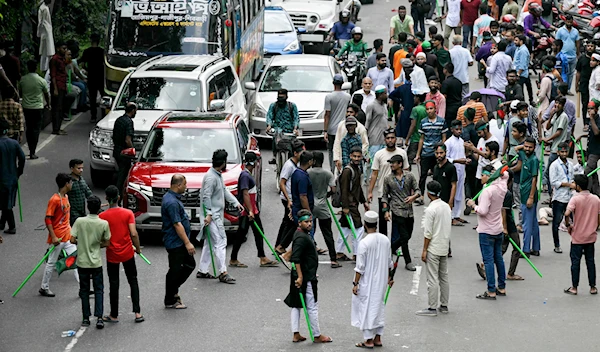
[(322, 339), (298, 337)]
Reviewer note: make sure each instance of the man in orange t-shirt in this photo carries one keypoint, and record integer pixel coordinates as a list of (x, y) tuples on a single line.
[(475, 103), (59, 230)]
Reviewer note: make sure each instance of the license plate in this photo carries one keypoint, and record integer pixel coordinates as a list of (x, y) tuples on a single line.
[(311, 37)]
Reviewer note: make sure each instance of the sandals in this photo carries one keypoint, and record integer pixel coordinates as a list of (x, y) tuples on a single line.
[(336, 265), (344, 258), (461, 220), (486, 295), (176, 305), (498, 293), (271, 264), (200, 275), (108, 319), (593, 290), (321, 251), (362, 345), (226, 279), (329, 339), (569, 292), (238, 265), (457, 223), (140, 319)]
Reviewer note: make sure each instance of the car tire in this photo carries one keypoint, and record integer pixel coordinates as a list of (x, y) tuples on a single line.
[(101, 178)]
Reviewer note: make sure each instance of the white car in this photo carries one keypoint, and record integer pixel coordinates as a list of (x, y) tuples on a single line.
[(308, 79), (316, 17), (179, 83)]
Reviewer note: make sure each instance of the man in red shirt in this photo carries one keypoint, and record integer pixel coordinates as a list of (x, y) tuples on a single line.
[(120, 250), (585, 208), (58, 86), (469, 13)]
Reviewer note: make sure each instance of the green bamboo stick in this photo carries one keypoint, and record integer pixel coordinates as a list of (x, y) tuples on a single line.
[(593, 171), (524, 256), (351, 224), (64, 253), (387, 293), (143, 257), (493, 178), (312, 338), (19, 195), (337, 223), (212, 258), (33, 271), (266, 240)]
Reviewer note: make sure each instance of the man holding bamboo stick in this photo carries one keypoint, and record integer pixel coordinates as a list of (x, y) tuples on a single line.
[(371, 277), (304, 280), (530, 166)]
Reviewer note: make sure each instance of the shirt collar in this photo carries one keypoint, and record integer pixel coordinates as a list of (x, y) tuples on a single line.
[(215, 171), (93, 216), (177, 195)]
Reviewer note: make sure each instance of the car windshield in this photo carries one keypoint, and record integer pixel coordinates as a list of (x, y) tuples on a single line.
[(277, 22), (155, 93), (189, 145), (298, 79)]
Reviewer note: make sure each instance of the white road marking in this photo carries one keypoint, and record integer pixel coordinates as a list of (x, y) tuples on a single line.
[(75, 338), (46, 141), (416, 279)]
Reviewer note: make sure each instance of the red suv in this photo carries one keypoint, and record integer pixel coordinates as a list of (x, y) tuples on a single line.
[(184, 143)]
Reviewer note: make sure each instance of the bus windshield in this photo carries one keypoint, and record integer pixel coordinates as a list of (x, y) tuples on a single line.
[(139, 29)]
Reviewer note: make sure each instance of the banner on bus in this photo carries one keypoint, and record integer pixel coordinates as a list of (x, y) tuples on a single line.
[(170, 13)]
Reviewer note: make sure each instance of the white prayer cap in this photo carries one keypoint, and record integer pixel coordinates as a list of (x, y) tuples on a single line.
[(421, 54), (371, 217), (513, 104), (596, 56), (380, 89)]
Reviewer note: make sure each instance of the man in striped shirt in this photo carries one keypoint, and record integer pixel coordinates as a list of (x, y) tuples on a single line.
[(475, 103), (432, 132)]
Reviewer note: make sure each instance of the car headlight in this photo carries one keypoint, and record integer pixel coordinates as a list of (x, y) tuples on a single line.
[(293, 46), (101, 138), (259, 111), (313, 19)]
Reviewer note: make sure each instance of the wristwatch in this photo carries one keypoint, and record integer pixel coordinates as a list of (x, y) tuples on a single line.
[(355, 283)]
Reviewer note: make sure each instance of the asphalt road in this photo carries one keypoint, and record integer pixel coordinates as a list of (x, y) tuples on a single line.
[(250, 316)]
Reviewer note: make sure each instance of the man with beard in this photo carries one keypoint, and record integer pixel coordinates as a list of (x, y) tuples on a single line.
[(455, 150), (500, 64), (422, 63), (377, 121), (435, 95), (513, 90), (529, 196), (418, 113), (381, 169), (582, 80), (401, 24), (381, 74), (444, 172)]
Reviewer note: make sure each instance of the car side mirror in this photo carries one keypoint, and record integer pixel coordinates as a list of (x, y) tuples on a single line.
[(250, 85), (217, 105), (107, 102), (301, 30), (346, 86), (128, 153)]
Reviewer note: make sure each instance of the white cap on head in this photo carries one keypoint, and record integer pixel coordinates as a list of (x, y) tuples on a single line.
[(513, 104), (371, 217), (596, 56), (421, 54), (380, 89)]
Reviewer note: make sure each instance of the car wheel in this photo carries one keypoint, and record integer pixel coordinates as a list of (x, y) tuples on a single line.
[(101, 178)]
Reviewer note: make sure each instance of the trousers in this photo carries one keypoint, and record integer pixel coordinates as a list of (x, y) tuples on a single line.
[(181, 265), (325, 226), (531, 228), (124, 165), (95, 86), (347, 232), (515, 255), (57, 102), (592, 163), (577, 251), (218, 239), (96, 276), (312, 308), (52, 258), (402, 229), (491, 251), (245, 225), (437, 280), (427, 163), (525, 82), (33, 123), (558, 212), (112, 270), (369, 334), (7, 217), (286, 229)]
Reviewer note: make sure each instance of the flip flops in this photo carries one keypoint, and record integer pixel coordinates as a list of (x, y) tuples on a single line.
[(108, 319), (486, 295), (336, 265), (569, 292), (238, 265), (270, 264), (200, 275), (362, 345)]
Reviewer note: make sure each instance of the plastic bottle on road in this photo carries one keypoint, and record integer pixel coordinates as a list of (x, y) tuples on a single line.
[(69, 333)]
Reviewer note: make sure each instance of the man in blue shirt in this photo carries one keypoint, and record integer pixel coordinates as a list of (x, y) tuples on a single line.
[(302, 191), (343, 28), (176, 236), (521, 64), (570, 37)]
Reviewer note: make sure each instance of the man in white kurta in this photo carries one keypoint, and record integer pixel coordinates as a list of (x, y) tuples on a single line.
[(44, 31), (373, 262), (455, 152)]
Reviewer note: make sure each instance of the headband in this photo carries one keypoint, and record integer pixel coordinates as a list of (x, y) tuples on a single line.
[(437, 194), (429, 104), (304, 218), (485, 172), (482, 127)]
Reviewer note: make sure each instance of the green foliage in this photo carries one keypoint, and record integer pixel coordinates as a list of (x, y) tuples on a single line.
[(77, 19)]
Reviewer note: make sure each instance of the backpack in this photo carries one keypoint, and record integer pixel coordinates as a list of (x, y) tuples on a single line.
[(423, 6), (554, 89), (547, 7), (336, 199)]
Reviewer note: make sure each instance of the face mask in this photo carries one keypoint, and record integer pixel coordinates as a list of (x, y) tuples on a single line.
[(281, 100)]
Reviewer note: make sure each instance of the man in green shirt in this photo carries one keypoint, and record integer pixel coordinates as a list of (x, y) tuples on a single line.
[(443, 55), (34, 92), (529, 198), (402, 23), (91, 233), (418, 113)]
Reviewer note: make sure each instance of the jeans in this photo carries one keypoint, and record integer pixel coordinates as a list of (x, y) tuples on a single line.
[(433, 8), (124, 165), (467, 35), (325, 225), (96, 275), (57, 102), (330, 142), (181, 265), (437, 280), (515, 255), (585, 99), (33, 123), (525, 82), (286, 229), (312, 308), (531, 229), (112, 269), (419, 20), (52, 258), (427, 163), (402, 229), (577, 251), (242, 232), (83, 95), (546, 177), (592, 164), (95, 86), (572, 65), (558, 212), (491, 251)]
